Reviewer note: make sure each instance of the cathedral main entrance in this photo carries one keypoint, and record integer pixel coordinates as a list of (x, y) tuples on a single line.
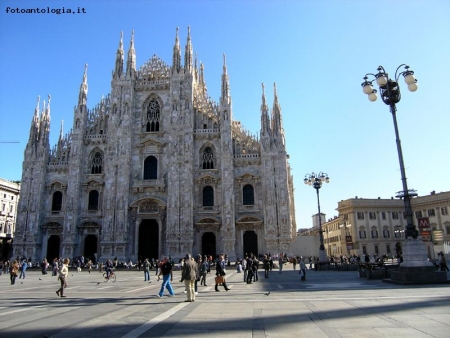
[(90, 247), (250, 243), (53, 244), (209, 244), (148, 239)]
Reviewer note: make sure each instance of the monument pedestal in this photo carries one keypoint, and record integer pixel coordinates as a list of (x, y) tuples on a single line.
[(416, 269)]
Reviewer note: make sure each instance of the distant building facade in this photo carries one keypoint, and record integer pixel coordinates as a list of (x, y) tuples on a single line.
[(376, 226), (156, 168), (9, 200)]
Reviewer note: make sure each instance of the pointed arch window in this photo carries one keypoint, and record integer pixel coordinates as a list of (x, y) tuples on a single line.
[(208, 158), (208, 196), (248, 195), (57, 201), (93, 200), (153, 113), (97, 163), (150, 168)]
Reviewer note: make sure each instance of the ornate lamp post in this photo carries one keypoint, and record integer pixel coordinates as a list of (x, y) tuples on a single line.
[(415, 269), (316, 181), (390, 94)]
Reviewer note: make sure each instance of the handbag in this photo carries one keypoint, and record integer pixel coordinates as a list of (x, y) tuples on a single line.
[(220, 280)]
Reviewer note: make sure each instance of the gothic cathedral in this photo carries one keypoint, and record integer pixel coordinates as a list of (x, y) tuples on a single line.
[(156, 168)]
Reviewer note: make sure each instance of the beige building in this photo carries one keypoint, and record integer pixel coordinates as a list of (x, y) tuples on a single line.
[(9, 198), (376, 226)]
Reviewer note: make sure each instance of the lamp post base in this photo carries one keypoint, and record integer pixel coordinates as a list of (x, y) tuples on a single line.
[(323, 256), (416, 269)]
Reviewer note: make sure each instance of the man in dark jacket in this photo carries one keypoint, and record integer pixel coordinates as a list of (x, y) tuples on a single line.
[(220, 272)]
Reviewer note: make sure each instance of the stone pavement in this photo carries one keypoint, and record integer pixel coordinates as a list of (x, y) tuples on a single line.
[(327, 304)]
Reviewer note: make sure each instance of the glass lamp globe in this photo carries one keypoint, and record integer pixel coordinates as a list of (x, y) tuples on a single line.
[(372, 97), (412, 87), (409, 79), (381, 80), (367, 89)]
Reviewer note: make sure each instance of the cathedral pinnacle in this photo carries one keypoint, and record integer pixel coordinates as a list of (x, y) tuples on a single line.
[(176, 58), (188, 59), (277, 125), (118, 70), (225, 99), (265, 121), (131, 60), (82, 97)]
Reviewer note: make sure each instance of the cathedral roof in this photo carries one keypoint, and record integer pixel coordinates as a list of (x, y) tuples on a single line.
[(154, 69)]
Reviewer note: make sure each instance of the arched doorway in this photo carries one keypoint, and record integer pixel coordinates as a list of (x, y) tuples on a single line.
[(209, 244), (148, 239), (53, 247), (90, 248), (250, 243)]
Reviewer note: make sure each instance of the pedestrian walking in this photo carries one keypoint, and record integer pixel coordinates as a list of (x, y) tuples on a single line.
[(280, 263), (23, 268), (442, 261), (189, 275), (203, 271), (166, 271), (266, 264), (294, 262), (220, 273), (13, 271), (302, 269), (147, 270), (63, 274)]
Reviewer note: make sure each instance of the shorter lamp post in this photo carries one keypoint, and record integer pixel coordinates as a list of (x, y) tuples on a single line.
[(316, 181)]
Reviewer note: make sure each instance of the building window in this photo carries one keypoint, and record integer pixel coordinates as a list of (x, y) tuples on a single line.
[(208, 196), (208, 158), (364, 250), (394, 215), (376, 250), (57, 201), (93, 200), (431, 212), (444, 211), (248, 195), (383, 215), (372, 215), (150, 168), (418, 214), (12, 198), (153, 110), (374, 234), (360, 215), (386, 233), (388, 249), (11, 208), (362, 233), (97, 162), (4, 207)]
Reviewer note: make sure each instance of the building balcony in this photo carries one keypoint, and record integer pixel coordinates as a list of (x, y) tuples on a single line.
[(149, 185)]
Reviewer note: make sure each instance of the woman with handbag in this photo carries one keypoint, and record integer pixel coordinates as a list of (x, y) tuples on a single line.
[(220, 273), (63, 273)]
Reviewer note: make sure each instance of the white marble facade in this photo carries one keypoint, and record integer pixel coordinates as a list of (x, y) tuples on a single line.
[(156, 168)]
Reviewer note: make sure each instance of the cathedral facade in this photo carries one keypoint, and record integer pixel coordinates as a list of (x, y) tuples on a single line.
[(156, 168)]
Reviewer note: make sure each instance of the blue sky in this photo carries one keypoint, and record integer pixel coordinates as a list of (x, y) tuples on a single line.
[(316, 51)]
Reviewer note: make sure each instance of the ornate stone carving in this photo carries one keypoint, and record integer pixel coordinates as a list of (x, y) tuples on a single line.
[(148, 207)]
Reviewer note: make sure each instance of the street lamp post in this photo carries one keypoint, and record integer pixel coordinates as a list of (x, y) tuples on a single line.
[(390, 94), (316, 181), (415, 268)]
